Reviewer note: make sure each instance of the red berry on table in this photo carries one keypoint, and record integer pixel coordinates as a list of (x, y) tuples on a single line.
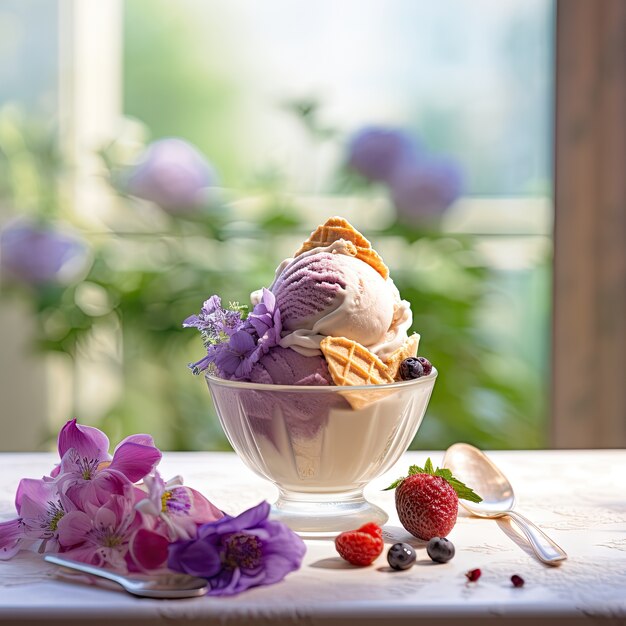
[(473, 575), (427, 500), (362, 546), (517, 581)]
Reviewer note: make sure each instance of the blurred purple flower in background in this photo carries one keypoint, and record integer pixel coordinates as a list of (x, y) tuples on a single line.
[(375, 151), (38, 254), (174, 175), (424, 190)]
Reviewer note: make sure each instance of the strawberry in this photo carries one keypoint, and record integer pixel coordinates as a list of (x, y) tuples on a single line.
[(427, 500), (362, 546)]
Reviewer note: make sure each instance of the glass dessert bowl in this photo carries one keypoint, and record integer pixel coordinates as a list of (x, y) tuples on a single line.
[(321, 445)]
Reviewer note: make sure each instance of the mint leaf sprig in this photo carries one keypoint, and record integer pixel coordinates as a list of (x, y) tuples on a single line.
[(462, 490)]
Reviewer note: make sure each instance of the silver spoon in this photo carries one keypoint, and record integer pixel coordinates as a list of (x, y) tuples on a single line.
[(474, 468), (160, 586)]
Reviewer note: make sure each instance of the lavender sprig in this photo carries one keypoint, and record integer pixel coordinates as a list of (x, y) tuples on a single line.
[(234, 343)]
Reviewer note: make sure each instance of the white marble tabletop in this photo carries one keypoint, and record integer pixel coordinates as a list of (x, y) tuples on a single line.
[(577, 497)]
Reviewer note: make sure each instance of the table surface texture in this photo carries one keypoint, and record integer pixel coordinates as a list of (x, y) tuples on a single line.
[(577, 497)]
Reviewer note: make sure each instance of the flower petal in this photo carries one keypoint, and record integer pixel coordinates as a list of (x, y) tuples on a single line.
[(142, 439), (135, 460), (196, 557), (148, 549), (247, 520), (73, 528), (203, 511), (89, 442), (10, 535), (37, 490)]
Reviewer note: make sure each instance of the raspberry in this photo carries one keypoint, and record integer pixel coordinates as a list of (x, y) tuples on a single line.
[(361, 546)]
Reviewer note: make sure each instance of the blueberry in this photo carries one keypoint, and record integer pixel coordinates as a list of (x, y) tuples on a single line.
[(426, 364), (401, 556), (411, 368), (440, 549)]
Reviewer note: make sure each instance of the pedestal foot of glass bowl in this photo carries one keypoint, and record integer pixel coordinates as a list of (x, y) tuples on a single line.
[(315, 515)]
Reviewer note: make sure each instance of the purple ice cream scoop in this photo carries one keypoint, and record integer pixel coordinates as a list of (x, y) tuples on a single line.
[(326, 292), (284, 366), (302, 414)]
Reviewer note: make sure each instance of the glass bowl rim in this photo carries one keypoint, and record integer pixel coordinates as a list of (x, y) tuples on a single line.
[(240, 384)]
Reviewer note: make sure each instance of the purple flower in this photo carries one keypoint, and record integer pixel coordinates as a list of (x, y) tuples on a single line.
[(215, 323), (375, 151), (178, 508), (236, 358), (424, 190), (173, 174), (265, 318), (236, 553), (36, 254), (217, 326)]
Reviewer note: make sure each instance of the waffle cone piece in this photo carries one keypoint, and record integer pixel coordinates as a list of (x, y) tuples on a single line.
[(409, 348), (351, 364), (336, 228)]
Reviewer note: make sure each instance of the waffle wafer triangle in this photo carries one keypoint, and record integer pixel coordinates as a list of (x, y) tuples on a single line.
[(336, 228), (352, 364), (409, 348)]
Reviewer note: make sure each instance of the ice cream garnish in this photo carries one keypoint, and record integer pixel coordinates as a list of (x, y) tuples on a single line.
[(234, 342)]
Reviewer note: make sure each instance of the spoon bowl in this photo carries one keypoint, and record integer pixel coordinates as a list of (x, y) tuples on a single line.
[(169, 585), (475, 468)]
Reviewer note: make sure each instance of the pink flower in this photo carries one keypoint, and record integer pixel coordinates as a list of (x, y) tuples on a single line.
[(40, 508), (113, 534), (178, 508), (87, 466), (102, 534)]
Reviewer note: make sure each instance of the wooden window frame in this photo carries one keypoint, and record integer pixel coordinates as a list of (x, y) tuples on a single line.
[(589, 281)]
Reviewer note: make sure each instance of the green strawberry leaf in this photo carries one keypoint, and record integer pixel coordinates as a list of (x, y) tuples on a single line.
[(462, 490), (394, 484)]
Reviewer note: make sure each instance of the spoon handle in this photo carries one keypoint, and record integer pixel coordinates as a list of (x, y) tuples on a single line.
[(545, 549), (85, 568)]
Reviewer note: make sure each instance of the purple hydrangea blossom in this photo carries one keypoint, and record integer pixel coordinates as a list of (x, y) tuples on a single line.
[(174, 175), (424, 191), (236, 553), (36, 254), (376, 151)]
